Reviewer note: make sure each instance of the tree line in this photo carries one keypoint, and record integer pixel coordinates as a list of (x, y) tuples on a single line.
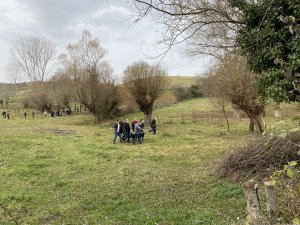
[(84, 76)]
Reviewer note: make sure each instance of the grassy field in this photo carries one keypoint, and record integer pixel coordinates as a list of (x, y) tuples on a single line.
[(67, 171), (177, 81)]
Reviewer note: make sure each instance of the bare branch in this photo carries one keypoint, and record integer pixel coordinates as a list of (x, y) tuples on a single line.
[(32, 56), (206, 26)]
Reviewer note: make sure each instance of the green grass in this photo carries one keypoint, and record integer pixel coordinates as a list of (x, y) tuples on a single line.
[(82, 178)]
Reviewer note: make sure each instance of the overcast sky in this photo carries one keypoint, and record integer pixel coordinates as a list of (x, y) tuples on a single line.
[(62, 21)]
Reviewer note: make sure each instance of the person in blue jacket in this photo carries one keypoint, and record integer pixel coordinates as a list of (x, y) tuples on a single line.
[(117, 131), (137, 133)]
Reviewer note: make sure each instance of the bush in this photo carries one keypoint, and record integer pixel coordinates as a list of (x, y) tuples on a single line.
[(275, 157), (182, 93), (261, 158), (287, 183), (107, 102), (195, 91)]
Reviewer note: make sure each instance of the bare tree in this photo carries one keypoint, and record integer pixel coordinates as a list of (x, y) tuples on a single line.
[(14, 75), (232, 81), (90, 74), (207, 27), (145, 84), (32, 57)]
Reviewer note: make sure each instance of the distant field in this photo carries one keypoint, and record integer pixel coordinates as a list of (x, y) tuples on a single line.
[(67, 171), (177, 81)]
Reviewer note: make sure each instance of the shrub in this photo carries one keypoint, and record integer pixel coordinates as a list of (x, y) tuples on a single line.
[(182, 93), (195, 91), (287, 183), (262, 157)]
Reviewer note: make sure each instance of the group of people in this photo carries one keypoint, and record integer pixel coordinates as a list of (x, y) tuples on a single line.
[(53, 113), (135, 131)]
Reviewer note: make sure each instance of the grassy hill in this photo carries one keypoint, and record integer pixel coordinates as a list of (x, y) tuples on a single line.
[(66, 170), (177, 81)]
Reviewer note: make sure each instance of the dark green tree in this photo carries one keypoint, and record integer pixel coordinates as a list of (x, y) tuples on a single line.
[(270, 40)]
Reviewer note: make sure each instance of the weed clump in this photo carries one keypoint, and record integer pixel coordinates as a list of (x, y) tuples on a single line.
[(260, 158)]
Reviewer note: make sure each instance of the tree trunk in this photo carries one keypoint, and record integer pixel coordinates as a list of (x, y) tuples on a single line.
[(277, 113), (236, 113), (260, 125), (271, 202), (258, 122), (251, 126), (147, 118), (252, 198), (226, 118), (147, 110), (257, 119)]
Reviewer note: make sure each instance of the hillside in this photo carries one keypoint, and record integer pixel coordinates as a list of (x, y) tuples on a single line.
[(177, 81)]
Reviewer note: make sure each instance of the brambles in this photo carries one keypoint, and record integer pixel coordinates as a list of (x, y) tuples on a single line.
[(262, 157)]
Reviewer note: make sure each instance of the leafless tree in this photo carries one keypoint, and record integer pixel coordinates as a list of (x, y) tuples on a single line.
[(32, 56), (213, 87), (84, 62), (14, 75), (144, 84), (207, 27), (231, 81)]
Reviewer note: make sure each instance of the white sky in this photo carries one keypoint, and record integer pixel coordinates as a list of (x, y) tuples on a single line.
[(62, 21)]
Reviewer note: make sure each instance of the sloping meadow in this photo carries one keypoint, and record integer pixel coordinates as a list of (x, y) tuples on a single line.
[(66, 170)]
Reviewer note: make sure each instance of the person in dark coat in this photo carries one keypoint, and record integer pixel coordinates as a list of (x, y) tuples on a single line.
[(153, 126), (126, 129), (142, 124), (121, 128)]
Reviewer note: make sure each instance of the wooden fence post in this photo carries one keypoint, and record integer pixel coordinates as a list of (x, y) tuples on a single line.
[(251, 192), (271, 202)]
